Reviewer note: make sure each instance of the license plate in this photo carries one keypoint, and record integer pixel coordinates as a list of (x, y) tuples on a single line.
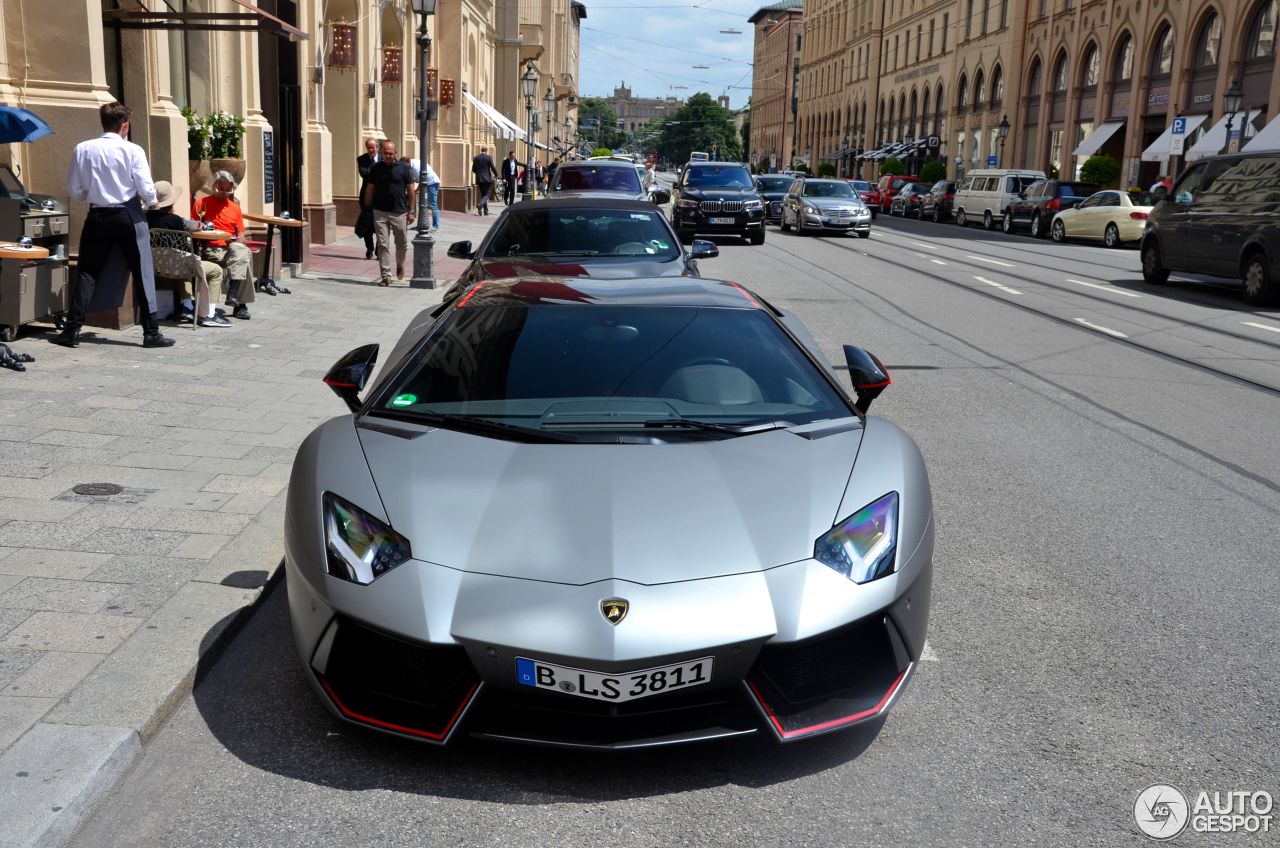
[(842, 221), (612, 687), (729, 221)]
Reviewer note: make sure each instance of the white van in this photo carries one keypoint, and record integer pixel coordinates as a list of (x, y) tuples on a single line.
[(698, 157), (985, 195)]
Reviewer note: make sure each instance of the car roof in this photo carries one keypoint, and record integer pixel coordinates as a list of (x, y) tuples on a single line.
[(591, 291), (598, 163), (705, 163), (584, 199)]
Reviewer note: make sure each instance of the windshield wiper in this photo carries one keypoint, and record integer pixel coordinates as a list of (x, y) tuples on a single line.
[(549, 253), (669, 423), (473, 424)]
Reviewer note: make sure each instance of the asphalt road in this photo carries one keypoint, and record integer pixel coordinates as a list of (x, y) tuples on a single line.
[(1106, 482)]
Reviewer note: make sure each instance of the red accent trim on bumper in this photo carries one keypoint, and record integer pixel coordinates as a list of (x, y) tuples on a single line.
[(413, 731), (826, 725)]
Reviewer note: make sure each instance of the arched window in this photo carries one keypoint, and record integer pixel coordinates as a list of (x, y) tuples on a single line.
[(924, 112), (1060, 75), (1090, 77), (1262, 32), (1162, 56), (962, 99), (978, 91), (915, 105), (997, 86), (1123, 69), (1033, 81), (1209, 42), (937, 111)]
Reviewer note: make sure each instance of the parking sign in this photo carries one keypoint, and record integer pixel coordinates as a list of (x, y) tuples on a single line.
[(1178, 138)]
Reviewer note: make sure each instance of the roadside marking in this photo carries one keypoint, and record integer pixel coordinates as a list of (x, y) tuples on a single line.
[(997, 285), (992, 261), (1102, 329), (927, 653), (937, 262), (1104, 288), (1261, 326), (922, 244)]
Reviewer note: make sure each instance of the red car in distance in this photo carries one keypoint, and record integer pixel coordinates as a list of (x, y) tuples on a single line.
[(882, 195)]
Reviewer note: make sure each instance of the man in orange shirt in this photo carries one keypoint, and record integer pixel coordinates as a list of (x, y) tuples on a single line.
[(222, 211)]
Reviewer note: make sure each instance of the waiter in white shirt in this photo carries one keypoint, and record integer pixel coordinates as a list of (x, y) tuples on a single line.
[(112, 174)]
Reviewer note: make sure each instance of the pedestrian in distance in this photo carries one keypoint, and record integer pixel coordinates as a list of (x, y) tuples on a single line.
[(510, 174), (364, 162), (112, 175), (433, 194), (483, 170), (223, 211), (392, 193)]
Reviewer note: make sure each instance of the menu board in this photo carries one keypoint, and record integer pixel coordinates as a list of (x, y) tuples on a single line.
[(268, 167)]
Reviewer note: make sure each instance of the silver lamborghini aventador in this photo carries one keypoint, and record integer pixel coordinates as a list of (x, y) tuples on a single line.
[(608, 513)]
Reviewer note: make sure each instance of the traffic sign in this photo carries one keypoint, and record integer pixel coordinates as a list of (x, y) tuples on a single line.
[(1179, 126), (992, 161)]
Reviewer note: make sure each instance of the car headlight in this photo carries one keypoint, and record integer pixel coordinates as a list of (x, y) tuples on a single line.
[(688, 204), (753, 205), (864, 546), (359, 547)]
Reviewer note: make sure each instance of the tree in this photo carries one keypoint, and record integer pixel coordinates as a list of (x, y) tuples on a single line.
[(826, 169), (931, 172), (892, 165), (602, 151), (597, 122), (700, 124), (1100, 170)]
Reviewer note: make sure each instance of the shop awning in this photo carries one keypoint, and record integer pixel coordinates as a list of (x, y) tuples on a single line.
[(1158, 150), (1097, 138), (502, 127), (1267, 139), (1212, 142), (254, 19)]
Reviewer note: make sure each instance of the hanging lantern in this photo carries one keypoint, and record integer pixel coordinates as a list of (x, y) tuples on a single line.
[(392, 69), (446, 92), (342, 46), (433, 79)]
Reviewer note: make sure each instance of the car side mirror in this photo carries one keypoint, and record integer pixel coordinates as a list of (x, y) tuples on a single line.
[(703, 249), (461, 250), (868, 374), (661, 196), (350, 373)]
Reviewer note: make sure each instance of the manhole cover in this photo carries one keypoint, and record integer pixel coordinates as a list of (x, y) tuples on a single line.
[(97, 489)]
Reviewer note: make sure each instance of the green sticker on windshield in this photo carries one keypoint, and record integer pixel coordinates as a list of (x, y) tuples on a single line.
[(404, 400), (661, 245)]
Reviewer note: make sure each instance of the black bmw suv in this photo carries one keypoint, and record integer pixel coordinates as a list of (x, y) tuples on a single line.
[(717, 198)]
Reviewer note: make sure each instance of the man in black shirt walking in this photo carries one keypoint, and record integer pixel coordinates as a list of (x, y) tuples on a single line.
[(392, 192), (482, 168)]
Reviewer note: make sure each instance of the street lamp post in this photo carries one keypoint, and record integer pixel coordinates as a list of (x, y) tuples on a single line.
[(423, 243), (844, 154), (530, 81), (1002, 131), (1232, 100), (568, 136), (550, 100)]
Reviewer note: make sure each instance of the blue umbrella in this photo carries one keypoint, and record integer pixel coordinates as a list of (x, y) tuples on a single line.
[(21, 125)]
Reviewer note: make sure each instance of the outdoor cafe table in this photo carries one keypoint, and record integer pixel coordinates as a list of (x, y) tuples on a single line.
[(264, 283)]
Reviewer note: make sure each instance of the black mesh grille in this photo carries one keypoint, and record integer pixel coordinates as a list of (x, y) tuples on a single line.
[(852, 658)]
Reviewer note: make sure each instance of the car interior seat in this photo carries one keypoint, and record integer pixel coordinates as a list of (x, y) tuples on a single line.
[(712, 383)]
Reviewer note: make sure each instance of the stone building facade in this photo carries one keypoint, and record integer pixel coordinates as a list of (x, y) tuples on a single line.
[(634, 112), (776, 58)]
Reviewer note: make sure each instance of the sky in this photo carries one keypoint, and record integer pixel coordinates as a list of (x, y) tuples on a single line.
[(654, 44)]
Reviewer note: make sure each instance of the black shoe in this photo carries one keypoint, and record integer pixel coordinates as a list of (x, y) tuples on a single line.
[(368, 254), (242, 312), (157, 341), (185, 316), (269, 288), (67, 338), (220, 312), (215, 321)]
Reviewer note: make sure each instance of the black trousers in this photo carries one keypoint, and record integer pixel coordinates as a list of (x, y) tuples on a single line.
[(509, 191), (368, 240), (104, 229)]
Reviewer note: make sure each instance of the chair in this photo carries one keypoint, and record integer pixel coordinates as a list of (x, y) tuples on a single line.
[(174, 256)]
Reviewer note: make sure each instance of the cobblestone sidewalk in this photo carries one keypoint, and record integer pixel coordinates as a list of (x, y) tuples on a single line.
[(109, 602)]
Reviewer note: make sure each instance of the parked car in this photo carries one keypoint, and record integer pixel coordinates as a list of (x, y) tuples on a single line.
[(825, 205), (908, 201), (863, 189), (984, 195), (936, 205), (578, 236), (1113, 217), (717, 198), (886, 188), (525, 527), (1220, 219), (609, 175), (1041, 200), (773, 188)]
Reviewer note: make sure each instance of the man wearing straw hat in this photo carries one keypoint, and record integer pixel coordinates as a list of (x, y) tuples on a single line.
[(163, 218)]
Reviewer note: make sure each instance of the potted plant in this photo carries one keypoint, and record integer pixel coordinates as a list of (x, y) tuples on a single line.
[(226, 137), (197, 150)]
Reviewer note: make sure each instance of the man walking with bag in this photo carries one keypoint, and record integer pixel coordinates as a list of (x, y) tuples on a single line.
[(393, 193), (112, 174)]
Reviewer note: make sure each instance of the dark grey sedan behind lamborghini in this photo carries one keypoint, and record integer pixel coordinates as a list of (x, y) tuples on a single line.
[(611, 514)]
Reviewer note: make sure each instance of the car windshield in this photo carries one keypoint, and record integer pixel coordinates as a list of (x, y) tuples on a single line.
[(774, 183), (597, 178), (860, 185), (827, 189), (573, 368), (581, 232), (730, 176)]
